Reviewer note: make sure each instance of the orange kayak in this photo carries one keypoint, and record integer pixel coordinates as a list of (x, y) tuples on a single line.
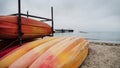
[(30, 27)]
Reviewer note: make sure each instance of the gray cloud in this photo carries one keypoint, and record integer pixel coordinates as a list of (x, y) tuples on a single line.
[(91, 15)]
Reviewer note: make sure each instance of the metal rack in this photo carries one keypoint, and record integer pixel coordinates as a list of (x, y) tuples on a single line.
[(20, 33)]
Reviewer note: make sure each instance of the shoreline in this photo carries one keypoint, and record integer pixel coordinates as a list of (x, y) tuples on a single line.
[(102, 55), (105, 43)]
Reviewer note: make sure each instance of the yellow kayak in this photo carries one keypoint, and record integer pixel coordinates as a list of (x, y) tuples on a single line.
[(66, 54)]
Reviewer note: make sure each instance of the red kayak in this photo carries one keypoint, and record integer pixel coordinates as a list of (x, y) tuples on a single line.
[(30, 27), (7, 51)]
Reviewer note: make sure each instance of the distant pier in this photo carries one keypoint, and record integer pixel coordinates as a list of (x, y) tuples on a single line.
[(63, 30)]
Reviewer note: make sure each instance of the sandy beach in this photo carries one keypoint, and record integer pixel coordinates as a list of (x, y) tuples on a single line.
[(102, 55)]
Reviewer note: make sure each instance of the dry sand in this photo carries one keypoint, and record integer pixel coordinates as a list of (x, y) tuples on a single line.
[(102, 55)]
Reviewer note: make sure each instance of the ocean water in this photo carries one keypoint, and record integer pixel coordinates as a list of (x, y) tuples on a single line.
[(113, 37)]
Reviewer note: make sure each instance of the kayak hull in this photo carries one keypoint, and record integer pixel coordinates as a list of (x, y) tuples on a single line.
[(31, 28), (57, 52)]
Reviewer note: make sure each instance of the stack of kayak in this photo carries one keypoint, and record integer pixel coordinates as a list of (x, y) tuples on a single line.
[(31, 28), (49, 52)]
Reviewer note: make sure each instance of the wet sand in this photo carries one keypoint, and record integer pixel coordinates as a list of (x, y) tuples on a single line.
[(102, 55)]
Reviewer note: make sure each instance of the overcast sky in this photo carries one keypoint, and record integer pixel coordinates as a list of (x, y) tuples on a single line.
[(85, 15)]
